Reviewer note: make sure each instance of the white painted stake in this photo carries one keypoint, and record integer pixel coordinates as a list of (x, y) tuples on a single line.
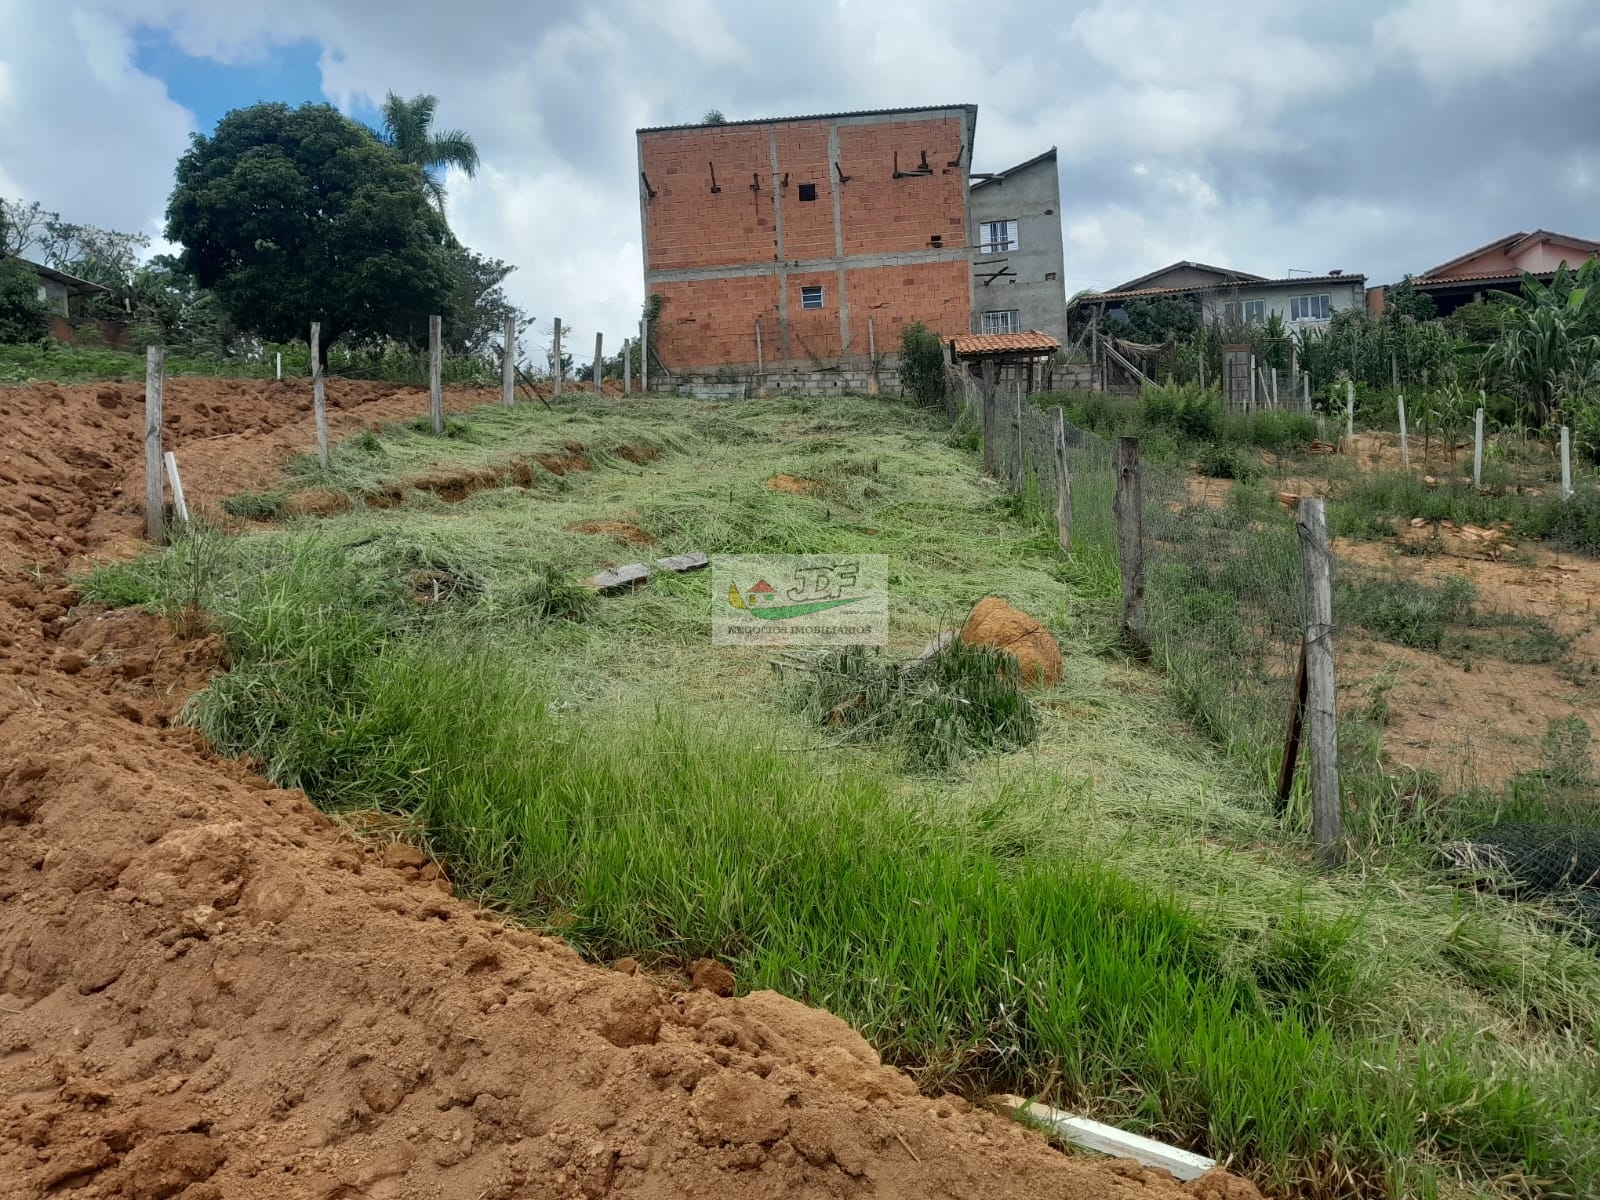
[(1350, 409), (278, 357), (1107, 1139), (1566, 463), (1477, 449), (1305, 383), (179, 508), (508, 366), (155, 358), (1405, 443), (319, 397)]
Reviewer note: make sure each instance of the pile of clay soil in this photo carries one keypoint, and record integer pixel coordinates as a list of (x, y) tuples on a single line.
[(208, 989)]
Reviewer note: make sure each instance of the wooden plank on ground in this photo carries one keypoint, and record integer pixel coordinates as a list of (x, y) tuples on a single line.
[(684, 562), (1107, 1139), (630, 575)]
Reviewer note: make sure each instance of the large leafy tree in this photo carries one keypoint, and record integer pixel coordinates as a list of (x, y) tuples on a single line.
[(408, 131), (300, 215), (479, 302)]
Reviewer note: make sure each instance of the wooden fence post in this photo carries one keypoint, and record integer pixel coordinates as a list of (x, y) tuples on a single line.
[(435, 375), (1405, 440), (319, 396), (761, 365), (990, 460), (555, 367), (1477, 448), (1350, 410), (599, 363), (180, 508), (1322, 717), (1128, 508), (1252, 383), (644, 356), (1016, 440), (627, 366), (1063, 486), (1566, 463), (508, 366), (155, 358), (1097, 377), (872, 359)]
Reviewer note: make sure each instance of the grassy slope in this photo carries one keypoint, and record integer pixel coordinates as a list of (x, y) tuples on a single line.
[(1109, 918)]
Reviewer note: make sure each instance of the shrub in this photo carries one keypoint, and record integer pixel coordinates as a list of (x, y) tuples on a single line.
[(1184, 408), (922, 364), (959, 701), (24, 317)]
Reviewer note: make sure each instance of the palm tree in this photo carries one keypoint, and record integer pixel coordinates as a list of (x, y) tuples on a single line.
[(408, 130)]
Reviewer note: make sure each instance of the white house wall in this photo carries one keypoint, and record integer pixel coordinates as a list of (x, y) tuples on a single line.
[(1343, 294)]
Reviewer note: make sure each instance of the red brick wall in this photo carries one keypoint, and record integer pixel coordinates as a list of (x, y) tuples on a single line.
[(882, 214), (710, 322)]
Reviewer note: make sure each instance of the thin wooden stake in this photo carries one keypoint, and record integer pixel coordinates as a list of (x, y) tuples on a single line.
[(180, 509), (1128, 508), (990, 458), (1350, 410), (1291, 745), (761, 364), (644, 355), (1063, 486), (1322, 717), (508, 366), (556, 370), (1477, 448), (155, 358), (1566, 463), (599, 363), (319, 397), (1016, 440), (872, 359), (1405, 440), (1252, 383), (436, 374)]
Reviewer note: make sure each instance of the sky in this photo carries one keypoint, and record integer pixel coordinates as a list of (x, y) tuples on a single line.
[(1379, 137)]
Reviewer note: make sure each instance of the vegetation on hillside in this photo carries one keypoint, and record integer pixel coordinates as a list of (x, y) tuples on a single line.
[(1108, 918)]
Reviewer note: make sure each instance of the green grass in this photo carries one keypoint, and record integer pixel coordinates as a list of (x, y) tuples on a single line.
[(1370, 506), (1107, 916)]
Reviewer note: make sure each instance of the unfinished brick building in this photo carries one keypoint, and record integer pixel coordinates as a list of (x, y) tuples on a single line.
[(785, 250)]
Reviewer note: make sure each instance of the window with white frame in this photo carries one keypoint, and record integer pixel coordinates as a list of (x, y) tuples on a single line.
[(1005, 321), (811, 297), (1242, 312), (1309, 308), (997, 237)]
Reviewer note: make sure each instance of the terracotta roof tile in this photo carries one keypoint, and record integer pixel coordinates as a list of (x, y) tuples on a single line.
[(1005, 343)]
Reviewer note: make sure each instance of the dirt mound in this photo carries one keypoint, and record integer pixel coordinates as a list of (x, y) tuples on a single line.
[(624, 531), (639, 455), (995, 623), (210, 989), (792, 484)]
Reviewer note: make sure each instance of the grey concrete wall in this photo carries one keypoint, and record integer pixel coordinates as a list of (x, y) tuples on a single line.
[(1035, 278), (55, 295)]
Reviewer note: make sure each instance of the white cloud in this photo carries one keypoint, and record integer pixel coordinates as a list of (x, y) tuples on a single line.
[(1456, 42), (1251, 135)]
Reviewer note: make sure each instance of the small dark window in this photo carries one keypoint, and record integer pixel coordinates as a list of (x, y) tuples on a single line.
[(811, 297), (808, 191), (1049, 275), (937, 240)]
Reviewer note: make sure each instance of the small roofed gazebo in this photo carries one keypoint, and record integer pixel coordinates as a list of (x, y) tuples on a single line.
[(1025, 353)]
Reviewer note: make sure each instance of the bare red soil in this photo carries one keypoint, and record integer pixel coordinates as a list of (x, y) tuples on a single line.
[(209, 989)]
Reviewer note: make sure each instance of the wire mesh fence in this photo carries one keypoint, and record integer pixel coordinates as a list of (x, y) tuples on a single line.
[(1224, 598)]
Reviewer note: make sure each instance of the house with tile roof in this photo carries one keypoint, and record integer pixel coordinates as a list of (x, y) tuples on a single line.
[(1499, 265), (1227, 296)]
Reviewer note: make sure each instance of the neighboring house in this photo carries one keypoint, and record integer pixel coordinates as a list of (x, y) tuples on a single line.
[(1017, 271), (1499, 265), (1228, 296), (790, 250), (59, 290)]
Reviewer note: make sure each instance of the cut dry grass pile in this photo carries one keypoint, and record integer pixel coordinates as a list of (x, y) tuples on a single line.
[(1108, 918)]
